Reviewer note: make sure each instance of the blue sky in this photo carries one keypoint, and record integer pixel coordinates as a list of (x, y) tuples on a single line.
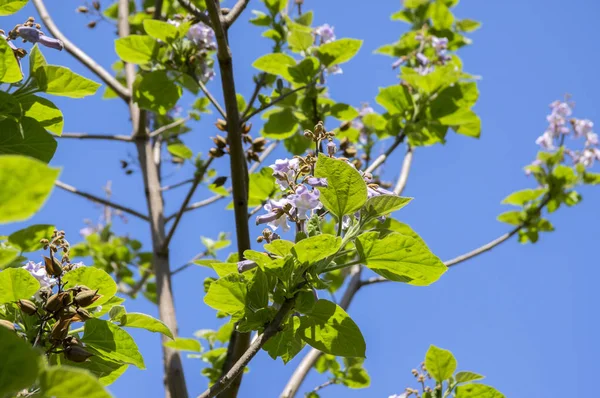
[(521, 315)]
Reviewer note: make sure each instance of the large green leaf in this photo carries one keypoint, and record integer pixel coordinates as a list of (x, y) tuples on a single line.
[(36, 59), (105, 370), (8, 7), (94, 278), (339, 51), (330, 329), (112, 342), (275, 64), (58, 80), (157, 92), (7, 255), (143, 321), (346, 191), (20, 363), (10, 71), (35, 141), (395, 99), (280, 247), (184, 344), (440, 363), (287, 343), (316, 248), (440, 15), (28, 239), (136, 49), (280, 125), (10, 107), (382, 205), (161, 30), (262, 186), (45, 112), (477, 391), (26, 183), (17, 284), (69, 382), (399, 258), (227, 294)]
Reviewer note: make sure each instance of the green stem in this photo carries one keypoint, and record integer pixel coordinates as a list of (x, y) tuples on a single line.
[(339, 266)]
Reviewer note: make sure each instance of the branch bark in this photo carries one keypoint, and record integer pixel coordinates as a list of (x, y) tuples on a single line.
[(383, 157), (404, 172), (84, 136), (195, 11), (169, 126), (80, 55), (273, 102), (235, 12)]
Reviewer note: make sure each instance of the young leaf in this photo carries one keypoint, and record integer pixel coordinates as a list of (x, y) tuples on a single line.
[(36, 59), (136, 49), (339, 51), (28, 239), (7, 255), (262, 186), (227, 294), (28, 139), (399, 258), (512, 217), (477, 391), (280, 247), (45, 112), (287, 343), (112, 342), (157, 92), (26, 183), (275, 64), (316, 248), (180, 150), (61, 81), (10, 72), (105, 370), (67, 382), (330, 329), (20, 363), (143, 321), (384, 204), (346, 191), (184, 344), (464, 376), (94, 278), (17, 284), (395, 99), (519, 198), (440, 363), (161, 30)]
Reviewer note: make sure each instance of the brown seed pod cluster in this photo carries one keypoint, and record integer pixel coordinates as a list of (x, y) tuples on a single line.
[(92, 11)]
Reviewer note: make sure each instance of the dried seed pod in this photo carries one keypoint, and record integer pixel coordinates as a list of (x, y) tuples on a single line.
[(216, 152), (221, 124), (77, 353), (54, 303), (7, 324), (27, 306), (60, 330), (52, 266), (81, 315), (219, 181), (91, 24), (246, 127), (86, 297), (68, 313), (219, 141), (82, 9), (345, 126)]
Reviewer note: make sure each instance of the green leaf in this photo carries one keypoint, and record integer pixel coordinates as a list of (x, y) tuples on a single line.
[(305, 71), (180, 150), (305, 19), (383, 205), (399, 258), (94, 278), (344, 112), (61, 81), (440, 363), (26, 183), (299, 40), (10, 107), (512, 217), (339, 51), (591, 178), (402, 15), (280, 247), (17, 284), (440, 15), (275, 64), (20, 363), (35, 141), (346, 191), (275, 6), (161, 30), (106, 371), (463, 121), (157, 92), (143, 321), (36, 59), (112, 342), (477, 391), (316, 248), (395, 99), (260, 19), (28, 239), (227, 294), (262, 186), (465, 377), (356, 377), (287, 343), (280, 125), (10, 71), (9, 7), (68, 382), (184, 344), (45, 112), (329, 329), (7, 255), (442, 76), (467, 25), (519, 198), (414, 3), (136, 49)]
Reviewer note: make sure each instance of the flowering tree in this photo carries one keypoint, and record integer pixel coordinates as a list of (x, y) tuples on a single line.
[(326, 208)]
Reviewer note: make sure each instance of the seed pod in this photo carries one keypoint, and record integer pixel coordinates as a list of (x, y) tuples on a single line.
[(54, 303), (350, 152), (219, 141), (60, 330), (221, 124), (7, 324), (81, 315), (68, 313), (91, 24), (77, 353), (219, 181), (345, 126), (87, 297), (247, 139), (52, 266), (216, 152), (27, 306), (96, 5), (82, 9), (246, 127)]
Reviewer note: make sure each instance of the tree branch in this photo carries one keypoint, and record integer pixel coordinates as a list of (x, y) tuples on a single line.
[(235, 12), (168, 127), (212, 99), (404, 172), (195, 11), (80, 55), (273, 102), (84, 136), (382, 158), (98, 199), (259, 84), (237, 369)]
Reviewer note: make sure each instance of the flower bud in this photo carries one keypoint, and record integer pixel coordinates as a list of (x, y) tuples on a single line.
[(219, 141), (7, 324), (77, 353), (246, 265), (86, 298), (331, 149), (52, 266), (216, 152), (96, 5), (246, 127), (91, 24), (319, 128), (221, 124), (82, 9), (219, 181), (60, 330), (27, 306)]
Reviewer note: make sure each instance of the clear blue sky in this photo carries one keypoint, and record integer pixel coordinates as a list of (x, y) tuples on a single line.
[(521, 315)]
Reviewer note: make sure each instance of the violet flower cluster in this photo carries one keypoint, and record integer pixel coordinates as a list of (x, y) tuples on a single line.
[(202, 39), (38, 271), (435, 47), (560, 126), (325, 34)]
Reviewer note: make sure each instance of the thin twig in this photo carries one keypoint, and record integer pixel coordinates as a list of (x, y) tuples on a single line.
[(273, 102), (211, 98), (98, 199), (235, 12), (197, 180), (158, 5), (326, 384), (186, 265), (237, 369), (85, 136), (176, 185), (80, 55), (259, 84), (140, 284), (403, 179), (169, 126), (195, 11), (382, 158)]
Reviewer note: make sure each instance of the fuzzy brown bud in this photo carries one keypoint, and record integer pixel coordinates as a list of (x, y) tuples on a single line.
[(219, 181), (27, 306), (91, 24), (82, 9), (77, 353), (96, 5), (221, 124), (216, 152), (86, 298), (219, 141), (246, 127)]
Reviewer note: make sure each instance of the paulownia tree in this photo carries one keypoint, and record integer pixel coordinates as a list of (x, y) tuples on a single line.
[(326, 207)]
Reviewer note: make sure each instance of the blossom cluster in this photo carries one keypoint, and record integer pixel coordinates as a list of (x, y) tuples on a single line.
[(324, 34), (435, 47), (200, 41), (560, 126), (38, 271)]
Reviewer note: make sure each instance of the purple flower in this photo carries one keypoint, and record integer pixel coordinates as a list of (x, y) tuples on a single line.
[(203, 36), (561, 108), (86, 231), (316, 182), (331, 148), (546, 140), (276, 215), (39, 272), (424, 70), (582, 127), (284, 170), (246, 265), (423, 60), (304, 201), (439, 43), (373, 190), (37, 36), (591, 139), (365, 110), (326, 33)]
